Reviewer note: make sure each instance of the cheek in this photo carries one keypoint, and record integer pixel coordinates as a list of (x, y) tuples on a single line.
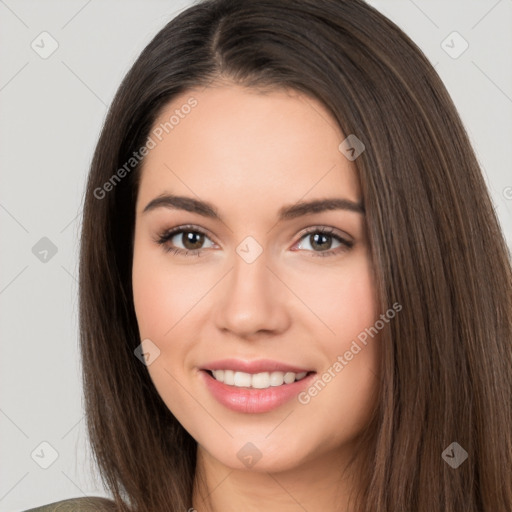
[(355, 305), (342, 299), (161, 298), (148, 296), (348, 384), (162, 294), (352, 315)]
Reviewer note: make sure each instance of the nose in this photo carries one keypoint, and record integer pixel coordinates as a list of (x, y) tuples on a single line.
[(252, 300)]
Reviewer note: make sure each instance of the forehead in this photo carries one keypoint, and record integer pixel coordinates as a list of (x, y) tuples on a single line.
[(238, 144)]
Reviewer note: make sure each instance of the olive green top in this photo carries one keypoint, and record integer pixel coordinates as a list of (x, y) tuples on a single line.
[(88, 504)]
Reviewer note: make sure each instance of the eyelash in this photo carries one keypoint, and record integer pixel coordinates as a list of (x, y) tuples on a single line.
[(168, 235)]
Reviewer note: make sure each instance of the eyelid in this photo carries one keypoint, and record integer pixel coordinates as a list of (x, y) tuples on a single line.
[(168, 234), (328, 230), (164, 237), (346, 243)]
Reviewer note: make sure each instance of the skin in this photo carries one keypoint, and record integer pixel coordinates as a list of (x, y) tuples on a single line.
[(249, 154)]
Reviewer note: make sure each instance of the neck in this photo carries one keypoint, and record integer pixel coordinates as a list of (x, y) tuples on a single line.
[(320, 484)]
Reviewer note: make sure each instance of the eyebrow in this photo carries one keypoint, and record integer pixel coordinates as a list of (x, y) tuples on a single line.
[(288, 212)]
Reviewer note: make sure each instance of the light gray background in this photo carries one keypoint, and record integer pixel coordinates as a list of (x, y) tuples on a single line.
[(51, 113)]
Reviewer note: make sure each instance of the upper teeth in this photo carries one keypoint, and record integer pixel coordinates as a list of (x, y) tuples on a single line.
[(258, 380)]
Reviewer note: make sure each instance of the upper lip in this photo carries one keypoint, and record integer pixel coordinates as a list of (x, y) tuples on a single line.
[(257, 366)]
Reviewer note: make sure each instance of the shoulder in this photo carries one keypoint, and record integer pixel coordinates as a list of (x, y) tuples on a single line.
[(87, 504)]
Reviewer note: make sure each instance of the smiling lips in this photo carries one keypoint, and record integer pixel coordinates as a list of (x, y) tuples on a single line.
[(254, 386), (261, 380)]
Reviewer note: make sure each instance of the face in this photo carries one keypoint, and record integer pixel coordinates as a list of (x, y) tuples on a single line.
[(236, 279)]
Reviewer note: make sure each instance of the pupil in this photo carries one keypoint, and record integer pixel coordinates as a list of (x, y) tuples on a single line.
[(193, 240), (316, 237)]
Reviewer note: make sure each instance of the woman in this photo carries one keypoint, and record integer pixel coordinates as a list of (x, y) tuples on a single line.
[(226, 365)]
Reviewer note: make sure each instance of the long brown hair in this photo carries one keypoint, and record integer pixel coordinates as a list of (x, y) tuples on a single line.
[(435, 243)]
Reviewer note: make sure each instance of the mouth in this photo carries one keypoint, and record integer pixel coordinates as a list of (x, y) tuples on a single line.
[(261, 380), (254, 386)]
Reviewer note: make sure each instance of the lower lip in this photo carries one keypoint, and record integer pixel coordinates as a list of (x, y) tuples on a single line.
[(252, 400)]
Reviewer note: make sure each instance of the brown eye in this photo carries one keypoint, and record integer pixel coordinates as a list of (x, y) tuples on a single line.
[(192, 240), (320, 242), (184, 239)]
